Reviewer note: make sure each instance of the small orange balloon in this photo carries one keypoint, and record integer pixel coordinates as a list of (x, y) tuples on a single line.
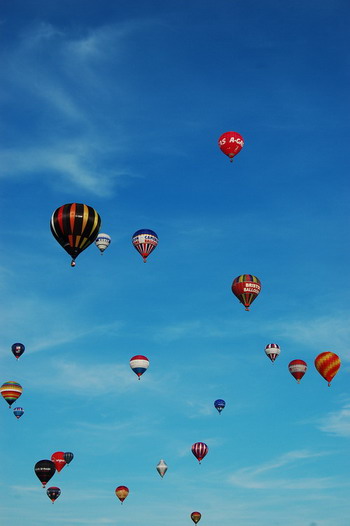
[(327, 364)]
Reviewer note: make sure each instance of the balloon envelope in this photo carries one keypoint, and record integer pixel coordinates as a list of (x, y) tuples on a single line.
[(58, 459), (75, 226), (145, 241), (231, 143), (199, 449), (246, 288), (139, 364), (53, 493), (196, 516), (219, 404), (272, 350), (122, 492), (297, 368), (162, 468), (17, 349), (18, 412), (68, 457), (102, 242), (327, 364), (44, 470), (11, 391)]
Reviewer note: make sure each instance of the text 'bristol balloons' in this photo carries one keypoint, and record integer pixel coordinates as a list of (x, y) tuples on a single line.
[(58, 459), (162, 468), (122, 492), (11, 391), (75, 226), (297, 368), (44, 470), (231, 143), (139, 364), (53, 493), (196, 516), (272, 350), (199, 449), (17, 349), (219, 405), (246, 288), (145, 241), (68, 457), (327, 364), (102, 242), (18, 412)]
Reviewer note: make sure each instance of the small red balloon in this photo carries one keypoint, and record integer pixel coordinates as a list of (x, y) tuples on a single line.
[(58, 459), (231, 143), (297, 368)]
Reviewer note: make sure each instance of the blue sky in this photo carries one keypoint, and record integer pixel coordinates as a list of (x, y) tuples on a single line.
[(119, 105)]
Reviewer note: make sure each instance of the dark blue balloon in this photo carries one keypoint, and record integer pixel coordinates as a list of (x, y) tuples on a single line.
[(219, 405), (18, 412), (68, 457)]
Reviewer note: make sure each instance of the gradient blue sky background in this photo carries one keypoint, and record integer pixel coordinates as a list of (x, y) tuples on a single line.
[(119, 105)]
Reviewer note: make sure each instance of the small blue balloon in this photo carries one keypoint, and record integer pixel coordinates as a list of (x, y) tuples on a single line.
[(219, 405)]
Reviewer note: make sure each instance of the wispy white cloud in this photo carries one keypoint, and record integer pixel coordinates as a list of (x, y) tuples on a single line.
[(337, 422)]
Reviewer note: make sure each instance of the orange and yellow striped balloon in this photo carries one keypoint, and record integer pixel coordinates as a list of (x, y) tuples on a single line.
[(327, 364)]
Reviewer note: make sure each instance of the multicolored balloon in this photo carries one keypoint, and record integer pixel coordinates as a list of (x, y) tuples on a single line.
[(68, 457), (199, 449), (327, 364), (145, 241), (11, 391), (122, 492), (53, 493), (231, 143), (162, 468), (102, 242), (75, 226), (297, 368), (272, 350), (18, 412), (18, 349), (246, 288), (139, 364), (219, 405), (44, 470), (58, 459), (196, 516)]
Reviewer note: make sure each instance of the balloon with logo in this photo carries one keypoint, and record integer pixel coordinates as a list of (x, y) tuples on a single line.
[(139, 364), (58, 459), (327, 364), (11, 391), (44, 470), (75, 227), (196, 516), (17, 349), (102, 242), (219, 405), (297, 368), (199, 449), (162, 468), (122, 492), (272, 350), (18, 412), (68, 457), (145, 241), (53, 493), (231, 143), (246, 288)]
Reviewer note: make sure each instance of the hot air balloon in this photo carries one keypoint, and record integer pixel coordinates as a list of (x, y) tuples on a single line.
[(18, 412), (53, 493), (219, 405), (44, 470), (199, 449), (17, 349), (246, 288), (196, 516), (327, 364), (231, 143), (10, 391), (139, 364), (102, 242), (122, 492), (297, 368), (272, 350), (145, 241), (68, 457), (58, 459), (162, 468), (75, 226)]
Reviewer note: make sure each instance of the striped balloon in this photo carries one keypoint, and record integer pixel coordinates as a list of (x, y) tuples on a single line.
[(272, 350), (139, 364), (122, 492), (246, 288), (10, 391), (297, 368), (199, 449), (327, 364), (145, 241), (18, 412)]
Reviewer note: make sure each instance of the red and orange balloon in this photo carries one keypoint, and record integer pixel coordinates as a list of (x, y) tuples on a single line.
[(327, 364)]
